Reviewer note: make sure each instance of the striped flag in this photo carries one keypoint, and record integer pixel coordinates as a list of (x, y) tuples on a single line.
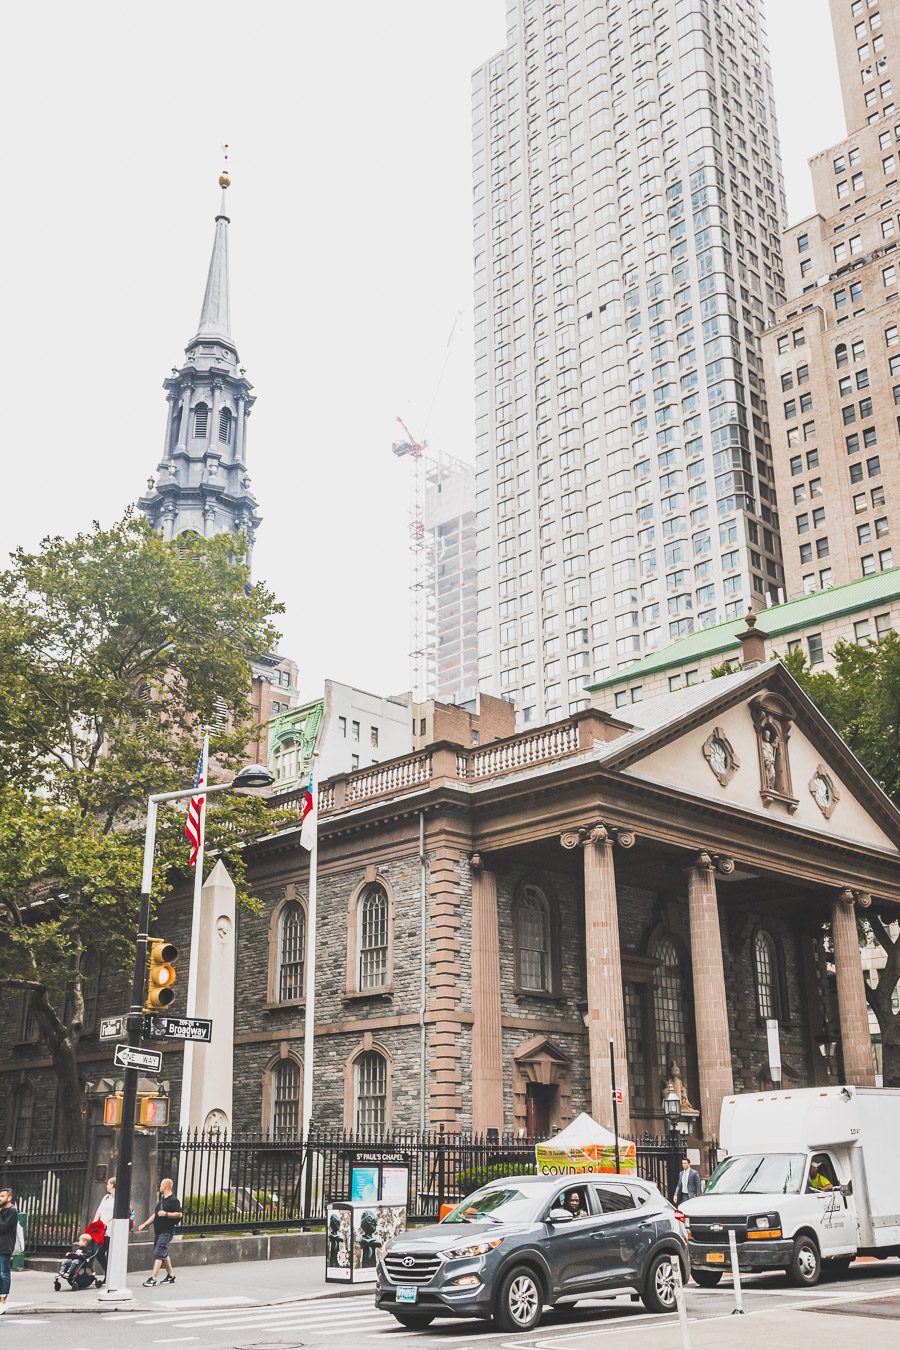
[(194, 824), (309, 816)]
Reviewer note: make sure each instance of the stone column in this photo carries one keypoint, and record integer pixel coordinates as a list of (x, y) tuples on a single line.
[(605, 995), (487, 1045), (710, 1004), (856, 1044), (184, 429), (239, 419)]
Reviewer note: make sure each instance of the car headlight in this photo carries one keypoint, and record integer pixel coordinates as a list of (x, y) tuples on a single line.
[(473, 1249)]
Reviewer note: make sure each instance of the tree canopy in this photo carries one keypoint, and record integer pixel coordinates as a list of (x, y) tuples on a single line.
[(115, 648)]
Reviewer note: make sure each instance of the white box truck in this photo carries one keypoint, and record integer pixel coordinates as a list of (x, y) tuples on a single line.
[(810, 1176)]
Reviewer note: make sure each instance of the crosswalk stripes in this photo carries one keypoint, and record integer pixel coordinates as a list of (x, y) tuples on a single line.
[(337, 1317)]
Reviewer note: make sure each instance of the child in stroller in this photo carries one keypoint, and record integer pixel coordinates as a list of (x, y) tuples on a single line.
[(77, 1266)]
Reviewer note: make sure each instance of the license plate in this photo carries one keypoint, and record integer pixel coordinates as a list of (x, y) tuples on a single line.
[(406, 1293), (715, 1258)]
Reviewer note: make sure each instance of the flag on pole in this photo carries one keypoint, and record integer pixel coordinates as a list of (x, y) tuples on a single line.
[(309, 816), (194, 824)]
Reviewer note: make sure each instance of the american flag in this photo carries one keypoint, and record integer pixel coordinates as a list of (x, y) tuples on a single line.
[(194, 824)]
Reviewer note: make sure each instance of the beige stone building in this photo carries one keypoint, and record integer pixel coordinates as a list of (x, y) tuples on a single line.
[(862, 611), (832, 359)]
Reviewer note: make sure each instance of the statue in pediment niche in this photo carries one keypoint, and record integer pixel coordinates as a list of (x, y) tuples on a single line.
[(772, 756)]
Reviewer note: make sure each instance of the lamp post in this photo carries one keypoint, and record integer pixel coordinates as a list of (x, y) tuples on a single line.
[(672, 1113), (116, 1289)]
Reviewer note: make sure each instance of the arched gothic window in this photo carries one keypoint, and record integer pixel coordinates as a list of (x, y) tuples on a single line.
[(291, 952), (201, 420), (284, 1111), (372, 930), (668, 1007), (225, 426), (531, 931), (370, 1080), (770, 1001), (22, 1117), (841, 356)]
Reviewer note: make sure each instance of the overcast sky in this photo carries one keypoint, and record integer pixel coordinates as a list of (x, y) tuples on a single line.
[(350, 260)]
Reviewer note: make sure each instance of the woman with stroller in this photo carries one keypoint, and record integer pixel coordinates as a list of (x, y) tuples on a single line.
[(104, 1215)]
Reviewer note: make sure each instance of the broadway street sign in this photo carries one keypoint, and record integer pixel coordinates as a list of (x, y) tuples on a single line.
[(127, 1058), (181, 1028)]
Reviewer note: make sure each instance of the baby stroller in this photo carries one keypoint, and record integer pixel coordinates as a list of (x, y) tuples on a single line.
[(77, 1266)]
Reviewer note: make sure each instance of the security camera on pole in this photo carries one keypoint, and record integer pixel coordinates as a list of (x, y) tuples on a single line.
[(116, 1290)]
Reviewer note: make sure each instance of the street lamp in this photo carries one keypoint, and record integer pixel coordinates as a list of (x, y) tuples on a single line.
[(116, 1290), (672, 1113)]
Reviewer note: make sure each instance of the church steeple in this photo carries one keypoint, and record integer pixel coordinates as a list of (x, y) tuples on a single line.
[(202, 484)]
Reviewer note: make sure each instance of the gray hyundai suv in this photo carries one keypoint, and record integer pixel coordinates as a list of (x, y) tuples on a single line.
[(519, 1244)]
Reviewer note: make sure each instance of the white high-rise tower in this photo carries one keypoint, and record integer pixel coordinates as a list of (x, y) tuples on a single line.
[(628, 206)]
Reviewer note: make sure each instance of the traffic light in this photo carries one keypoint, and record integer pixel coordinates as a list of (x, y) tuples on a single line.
[(153, 1111), (112, 1109), (161, 975)]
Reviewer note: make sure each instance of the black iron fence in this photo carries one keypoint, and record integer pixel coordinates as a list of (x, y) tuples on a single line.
[(49, 1190), (257, 1182)]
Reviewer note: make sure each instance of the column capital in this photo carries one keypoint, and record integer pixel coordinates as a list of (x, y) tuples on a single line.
[(707, 861), (853, 899), (476, 862), (598, 833)]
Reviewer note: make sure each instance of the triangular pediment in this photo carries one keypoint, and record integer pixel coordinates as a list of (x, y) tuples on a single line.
[(758, 744)]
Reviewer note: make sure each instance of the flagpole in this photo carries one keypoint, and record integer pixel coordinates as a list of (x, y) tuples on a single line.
[(309, 1016), (187, 1070)]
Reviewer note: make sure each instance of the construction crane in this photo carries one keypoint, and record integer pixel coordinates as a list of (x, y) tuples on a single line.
[(421, 652)]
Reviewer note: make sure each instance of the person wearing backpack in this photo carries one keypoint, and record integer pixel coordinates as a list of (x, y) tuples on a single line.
[(9, 1230)]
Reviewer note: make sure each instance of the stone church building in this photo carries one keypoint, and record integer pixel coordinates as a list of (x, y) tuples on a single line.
[(490, 917)]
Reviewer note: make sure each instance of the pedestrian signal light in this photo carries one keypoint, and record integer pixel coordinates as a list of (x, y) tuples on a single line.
[(112, 1110), (154, 1111), (161, 977)]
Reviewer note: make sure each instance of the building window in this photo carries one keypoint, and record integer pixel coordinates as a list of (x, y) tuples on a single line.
[(225, 426), (531, 932), (201, 420), (370, 1091), (354, 731), (284, 1115), (291, 952), (372, 969), (373, 737), (342, 726), (765, 963), (22, 1117), (815, 649), (669, 1009)]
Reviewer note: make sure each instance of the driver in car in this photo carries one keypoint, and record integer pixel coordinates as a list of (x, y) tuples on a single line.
[(818, 1181), (575, 1205)]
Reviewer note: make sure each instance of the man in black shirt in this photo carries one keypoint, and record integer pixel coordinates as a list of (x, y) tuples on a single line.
[(164, 1219)]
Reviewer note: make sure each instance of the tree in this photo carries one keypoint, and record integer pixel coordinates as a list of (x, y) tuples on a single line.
[(114, 647), (861, 700)]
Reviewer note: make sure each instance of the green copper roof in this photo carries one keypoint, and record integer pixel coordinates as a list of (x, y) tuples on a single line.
[(298, 724), (805, 612)]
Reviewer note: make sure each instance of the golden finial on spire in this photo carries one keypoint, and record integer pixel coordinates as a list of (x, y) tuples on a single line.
[(225, 176)]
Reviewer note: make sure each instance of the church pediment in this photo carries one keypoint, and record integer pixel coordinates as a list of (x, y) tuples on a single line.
[(758, 744)]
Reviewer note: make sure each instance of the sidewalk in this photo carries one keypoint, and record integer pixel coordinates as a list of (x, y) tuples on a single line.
[(244, 1284)]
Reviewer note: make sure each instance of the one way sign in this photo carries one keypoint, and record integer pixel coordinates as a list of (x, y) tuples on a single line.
[(128, 1058)]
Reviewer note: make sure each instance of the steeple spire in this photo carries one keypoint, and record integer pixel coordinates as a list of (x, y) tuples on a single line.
[(215, 316)]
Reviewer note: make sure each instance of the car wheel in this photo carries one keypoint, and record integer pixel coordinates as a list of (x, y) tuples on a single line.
[(806, 1264), (658, 1293), (520, 1301), (707, 1279), (414, 1321)]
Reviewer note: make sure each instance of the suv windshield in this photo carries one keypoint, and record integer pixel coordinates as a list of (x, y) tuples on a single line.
[(758, 1174), (504, 1204)]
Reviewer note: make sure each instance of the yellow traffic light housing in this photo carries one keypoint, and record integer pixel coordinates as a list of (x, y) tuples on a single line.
[(153, 1111), (161, 974)]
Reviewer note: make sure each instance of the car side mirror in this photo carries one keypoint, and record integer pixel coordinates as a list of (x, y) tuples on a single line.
[(560, 1216), (847, 1188)]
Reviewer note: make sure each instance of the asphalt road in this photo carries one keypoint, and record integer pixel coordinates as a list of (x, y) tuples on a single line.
[(342, 1323)]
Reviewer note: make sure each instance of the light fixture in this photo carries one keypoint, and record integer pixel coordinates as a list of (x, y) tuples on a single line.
[(672, 1107), (253, 776)]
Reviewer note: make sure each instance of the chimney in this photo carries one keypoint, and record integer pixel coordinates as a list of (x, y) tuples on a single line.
[(753, 643)]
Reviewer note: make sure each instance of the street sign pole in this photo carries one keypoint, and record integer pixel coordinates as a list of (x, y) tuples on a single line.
[(116, 1289), (615, 1100)]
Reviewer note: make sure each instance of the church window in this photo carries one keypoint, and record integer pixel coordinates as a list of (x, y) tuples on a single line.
[(373, 938), (201, 420), (370, 1091), (225, 426), (285, 1098), (291, 952), (22, 1117), (531, 929), (668, 1008), (771, 997)]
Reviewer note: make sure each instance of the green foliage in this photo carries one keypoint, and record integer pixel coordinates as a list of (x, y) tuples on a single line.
[(472, 1178), (726, 668), (115, 646)]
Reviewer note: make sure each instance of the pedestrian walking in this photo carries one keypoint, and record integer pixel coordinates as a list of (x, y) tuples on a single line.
[(688, 1185), (104, 1215), (165, 1219), (9, 1227)]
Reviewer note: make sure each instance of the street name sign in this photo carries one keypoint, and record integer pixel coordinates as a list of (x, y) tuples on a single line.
[(111, 1028), (128, 1058), (183, 1028)]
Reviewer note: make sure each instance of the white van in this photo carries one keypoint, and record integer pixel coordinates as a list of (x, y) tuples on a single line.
[(810, 1176)]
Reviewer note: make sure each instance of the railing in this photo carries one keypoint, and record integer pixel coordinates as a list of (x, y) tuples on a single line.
[(252, 1181), (48, 1188), (506, 756), (396, 776)]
